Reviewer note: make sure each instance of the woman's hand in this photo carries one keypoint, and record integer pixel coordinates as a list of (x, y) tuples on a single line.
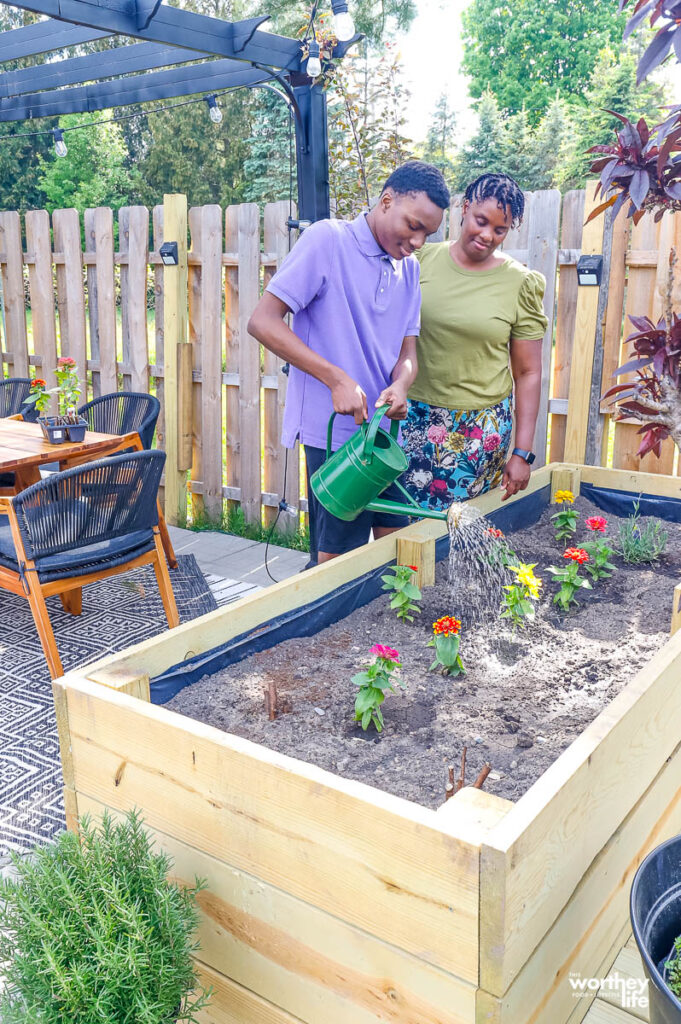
[(516, 476), (395, 395)]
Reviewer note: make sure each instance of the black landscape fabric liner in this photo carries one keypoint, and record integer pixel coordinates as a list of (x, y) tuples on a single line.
[(315, 616)]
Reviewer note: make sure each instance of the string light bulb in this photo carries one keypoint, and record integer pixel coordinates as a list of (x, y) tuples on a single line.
[(314, 64), (59, 144), (343, 25), (214, 111)]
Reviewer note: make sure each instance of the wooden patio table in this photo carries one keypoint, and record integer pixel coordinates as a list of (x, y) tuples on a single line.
[(23, 450)]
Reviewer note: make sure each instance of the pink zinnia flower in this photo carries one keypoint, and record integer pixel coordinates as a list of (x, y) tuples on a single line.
[(596, 523), (491, 442), (381, 651), (437, 435), (66, 361)]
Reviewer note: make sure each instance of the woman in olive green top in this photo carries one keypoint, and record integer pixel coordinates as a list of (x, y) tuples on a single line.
[(482, 324)]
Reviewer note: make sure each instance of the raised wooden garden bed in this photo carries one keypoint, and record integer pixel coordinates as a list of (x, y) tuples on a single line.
[(331, 902)]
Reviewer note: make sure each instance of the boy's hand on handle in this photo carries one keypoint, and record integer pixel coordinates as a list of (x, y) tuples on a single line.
[(396, 397), (516, 476), (349, 399)]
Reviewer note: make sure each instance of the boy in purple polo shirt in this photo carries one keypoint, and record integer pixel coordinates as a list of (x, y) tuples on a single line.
[(353, 287)]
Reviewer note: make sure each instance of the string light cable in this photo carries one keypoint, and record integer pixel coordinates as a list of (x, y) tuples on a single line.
[(58, 133)]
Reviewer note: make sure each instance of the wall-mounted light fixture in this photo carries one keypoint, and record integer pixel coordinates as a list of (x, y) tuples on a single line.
[(168, 254), (589, 269)]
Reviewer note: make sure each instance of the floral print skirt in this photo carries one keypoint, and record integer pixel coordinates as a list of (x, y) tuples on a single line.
[(454, 454)]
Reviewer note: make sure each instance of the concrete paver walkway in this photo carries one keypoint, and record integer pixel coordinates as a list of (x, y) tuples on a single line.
[(234, 566)]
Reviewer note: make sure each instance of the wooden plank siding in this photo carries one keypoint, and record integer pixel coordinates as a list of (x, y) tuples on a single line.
[(221, 418)]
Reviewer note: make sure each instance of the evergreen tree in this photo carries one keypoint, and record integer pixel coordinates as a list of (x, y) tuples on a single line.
[(486, 150), (440, 138), (186, 152), (270, 163), (553, 145), (518, 156)]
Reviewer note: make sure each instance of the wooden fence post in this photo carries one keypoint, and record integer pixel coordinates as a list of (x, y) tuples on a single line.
[(205, 331), (585, 338), (39, 259), (13, 292), (276, 240), (643, 299), (133, 243), (175, 336), (70, 292), (242, 358), (542, 255)]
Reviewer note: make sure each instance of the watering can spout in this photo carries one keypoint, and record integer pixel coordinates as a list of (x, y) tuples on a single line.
[(352, 479)]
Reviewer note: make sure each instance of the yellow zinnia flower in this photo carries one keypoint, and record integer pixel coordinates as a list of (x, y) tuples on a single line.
[(527, 578), (562, 496)]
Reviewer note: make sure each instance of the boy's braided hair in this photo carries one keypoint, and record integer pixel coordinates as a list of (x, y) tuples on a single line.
[(504, 189)]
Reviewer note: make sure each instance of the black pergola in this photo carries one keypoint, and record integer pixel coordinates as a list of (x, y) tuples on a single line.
[(236, 55)]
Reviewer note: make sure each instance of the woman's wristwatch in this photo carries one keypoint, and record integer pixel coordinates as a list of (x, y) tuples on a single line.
[(528, 456)]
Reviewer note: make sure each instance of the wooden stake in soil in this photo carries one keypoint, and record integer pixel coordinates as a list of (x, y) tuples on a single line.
[(271, 700), (449, 788), (462, 775), (479, 782)]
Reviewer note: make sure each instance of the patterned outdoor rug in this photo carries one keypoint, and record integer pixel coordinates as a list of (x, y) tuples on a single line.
[(117, 612)]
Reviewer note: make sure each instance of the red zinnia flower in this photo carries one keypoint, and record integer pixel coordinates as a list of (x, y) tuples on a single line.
[(493, 532), (37, 382), (576, 555), (596, 523), (447, 625), (382, 651), (414, 568)]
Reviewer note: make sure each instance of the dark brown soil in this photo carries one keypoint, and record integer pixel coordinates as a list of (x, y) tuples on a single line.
[(525, 697)]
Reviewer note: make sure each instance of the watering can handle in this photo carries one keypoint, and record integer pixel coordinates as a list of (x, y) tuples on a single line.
[(371, 431)]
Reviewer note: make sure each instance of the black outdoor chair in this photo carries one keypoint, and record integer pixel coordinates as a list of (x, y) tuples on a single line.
[(13, 394), (123, 412), (79, 526)]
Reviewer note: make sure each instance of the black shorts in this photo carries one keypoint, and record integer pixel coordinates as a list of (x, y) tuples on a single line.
[(335, 536)]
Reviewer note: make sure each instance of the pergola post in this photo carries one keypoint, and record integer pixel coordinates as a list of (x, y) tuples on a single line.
[(312, 150)]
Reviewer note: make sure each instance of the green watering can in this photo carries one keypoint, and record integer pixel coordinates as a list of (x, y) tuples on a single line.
[(352, 478)]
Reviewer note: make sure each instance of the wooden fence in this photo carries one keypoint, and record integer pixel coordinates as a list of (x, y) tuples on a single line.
[(180, 331)]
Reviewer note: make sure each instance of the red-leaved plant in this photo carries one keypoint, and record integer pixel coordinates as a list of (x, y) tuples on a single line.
[(642, 166), (654, 396)]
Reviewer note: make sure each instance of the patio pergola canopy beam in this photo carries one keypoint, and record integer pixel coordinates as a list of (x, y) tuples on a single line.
[(44, 36), (239, 40), (174, 82), (107, 64)]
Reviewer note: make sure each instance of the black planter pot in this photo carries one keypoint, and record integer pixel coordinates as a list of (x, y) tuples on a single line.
[(655, 907), (77, 430), (53, 430)]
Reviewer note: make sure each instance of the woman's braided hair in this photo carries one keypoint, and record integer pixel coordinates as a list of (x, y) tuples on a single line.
[(504, 189)]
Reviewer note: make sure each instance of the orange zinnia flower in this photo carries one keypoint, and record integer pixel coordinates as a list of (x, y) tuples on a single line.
[(38, 383), (576, 555), (447, 625)]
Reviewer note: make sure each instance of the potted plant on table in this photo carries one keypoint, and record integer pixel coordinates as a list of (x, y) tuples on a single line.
[(92, 930), (67, 423)]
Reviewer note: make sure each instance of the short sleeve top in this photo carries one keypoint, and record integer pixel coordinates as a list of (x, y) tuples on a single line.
[(468, 319), (353, 304)]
